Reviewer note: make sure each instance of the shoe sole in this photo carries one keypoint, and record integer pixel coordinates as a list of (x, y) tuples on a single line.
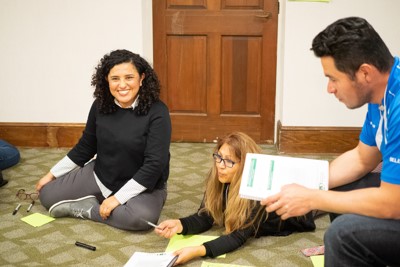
[(71, 200)]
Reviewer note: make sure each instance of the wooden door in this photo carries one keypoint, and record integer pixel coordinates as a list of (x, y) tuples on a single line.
[(216, 60)]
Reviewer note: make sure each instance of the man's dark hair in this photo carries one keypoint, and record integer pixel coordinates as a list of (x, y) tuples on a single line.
[(149, 91), (352, 42)]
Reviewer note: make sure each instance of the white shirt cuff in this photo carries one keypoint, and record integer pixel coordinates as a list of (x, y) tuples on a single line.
[(64, 166), (129, 190)]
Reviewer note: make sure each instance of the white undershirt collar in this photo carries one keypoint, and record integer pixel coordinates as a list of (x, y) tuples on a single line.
[(133, 106)]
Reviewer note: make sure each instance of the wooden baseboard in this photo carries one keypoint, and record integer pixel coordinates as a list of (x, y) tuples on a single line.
[(41, 134), (316, 140), (290, 140)]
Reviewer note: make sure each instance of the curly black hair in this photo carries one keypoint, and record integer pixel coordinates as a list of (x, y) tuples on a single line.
[(352, 42), (149, 92)]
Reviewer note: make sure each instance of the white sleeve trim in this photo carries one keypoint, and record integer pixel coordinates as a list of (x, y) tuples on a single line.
[(64, 166), (128, 191)]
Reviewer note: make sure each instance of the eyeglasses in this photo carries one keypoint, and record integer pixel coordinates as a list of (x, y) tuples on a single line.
[(227, 162), (24, 196)]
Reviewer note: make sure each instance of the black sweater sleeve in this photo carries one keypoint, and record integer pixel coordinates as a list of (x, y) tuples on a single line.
[(201, 222), (198, 223), (86, 148), (227, 243)]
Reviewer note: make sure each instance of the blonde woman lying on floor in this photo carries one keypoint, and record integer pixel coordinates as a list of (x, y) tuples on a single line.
[(222, 206)]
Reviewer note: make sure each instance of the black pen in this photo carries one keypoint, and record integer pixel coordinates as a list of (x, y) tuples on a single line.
[(16, 209), (83, 245), (30, 206)]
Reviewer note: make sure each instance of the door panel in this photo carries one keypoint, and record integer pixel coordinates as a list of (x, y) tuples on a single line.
[(241, 81), (187, 84), (250, 4), (216, 60)]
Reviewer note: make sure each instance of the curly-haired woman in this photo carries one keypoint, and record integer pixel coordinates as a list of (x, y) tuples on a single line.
[(222, 206), (117, 172)]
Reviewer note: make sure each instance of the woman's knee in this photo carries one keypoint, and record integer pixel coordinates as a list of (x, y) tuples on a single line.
[(137, 219), (46, 197), (129, 222)]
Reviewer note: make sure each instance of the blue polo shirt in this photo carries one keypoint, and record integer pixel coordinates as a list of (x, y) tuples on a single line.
[(382, 127)]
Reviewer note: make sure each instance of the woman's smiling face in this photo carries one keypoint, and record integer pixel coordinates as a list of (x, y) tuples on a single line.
[(124, 82)]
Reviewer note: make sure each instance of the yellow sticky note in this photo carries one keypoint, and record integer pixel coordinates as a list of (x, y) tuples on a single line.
[(211, 264), (317, 261), (37, 219), (181, 241)]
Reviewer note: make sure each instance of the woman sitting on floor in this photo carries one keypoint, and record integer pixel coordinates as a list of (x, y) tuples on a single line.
[(128, 131), (222, 206)]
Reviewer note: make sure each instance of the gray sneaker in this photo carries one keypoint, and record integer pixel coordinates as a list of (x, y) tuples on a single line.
[(79, 208)]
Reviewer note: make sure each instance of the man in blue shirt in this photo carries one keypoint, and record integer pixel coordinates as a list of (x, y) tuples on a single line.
[(361, 70)]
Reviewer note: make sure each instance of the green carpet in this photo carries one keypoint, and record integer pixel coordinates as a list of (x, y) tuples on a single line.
[(53, 244)]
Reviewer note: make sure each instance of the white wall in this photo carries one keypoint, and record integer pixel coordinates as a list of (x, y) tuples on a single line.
[(302, 99), (49, 48)]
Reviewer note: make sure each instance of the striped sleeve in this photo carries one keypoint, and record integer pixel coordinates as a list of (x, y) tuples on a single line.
[(64, 166), (128, 191)]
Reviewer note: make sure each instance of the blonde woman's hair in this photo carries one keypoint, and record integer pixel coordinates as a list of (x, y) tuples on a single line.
[(239, 212)]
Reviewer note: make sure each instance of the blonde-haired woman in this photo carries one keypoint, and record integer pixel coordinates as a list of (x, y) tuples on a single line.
[(222, 206)]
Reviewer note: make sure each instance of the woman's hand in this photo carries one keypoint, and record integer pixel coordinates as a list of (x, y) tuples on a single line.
[(188, 253), (108, 205), (44, 180), (169, 228)]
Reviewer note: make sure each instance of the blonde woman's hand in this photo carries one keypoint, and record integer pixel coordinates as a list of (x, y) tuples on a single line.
[(189, 253), (44, 180), (169, 228)]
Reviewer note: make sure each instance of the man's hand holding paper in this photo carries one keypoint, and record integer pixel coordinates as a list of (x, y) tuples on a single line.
[(291, 201), (283, 184)]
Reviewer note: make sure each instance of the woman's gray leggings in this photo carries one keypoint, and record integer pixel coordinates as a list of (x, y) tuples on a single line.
[(81, 182)]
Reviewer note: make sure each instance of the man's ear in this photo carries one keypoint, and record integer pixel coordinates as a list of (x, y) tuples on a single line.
[(366, 72)]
